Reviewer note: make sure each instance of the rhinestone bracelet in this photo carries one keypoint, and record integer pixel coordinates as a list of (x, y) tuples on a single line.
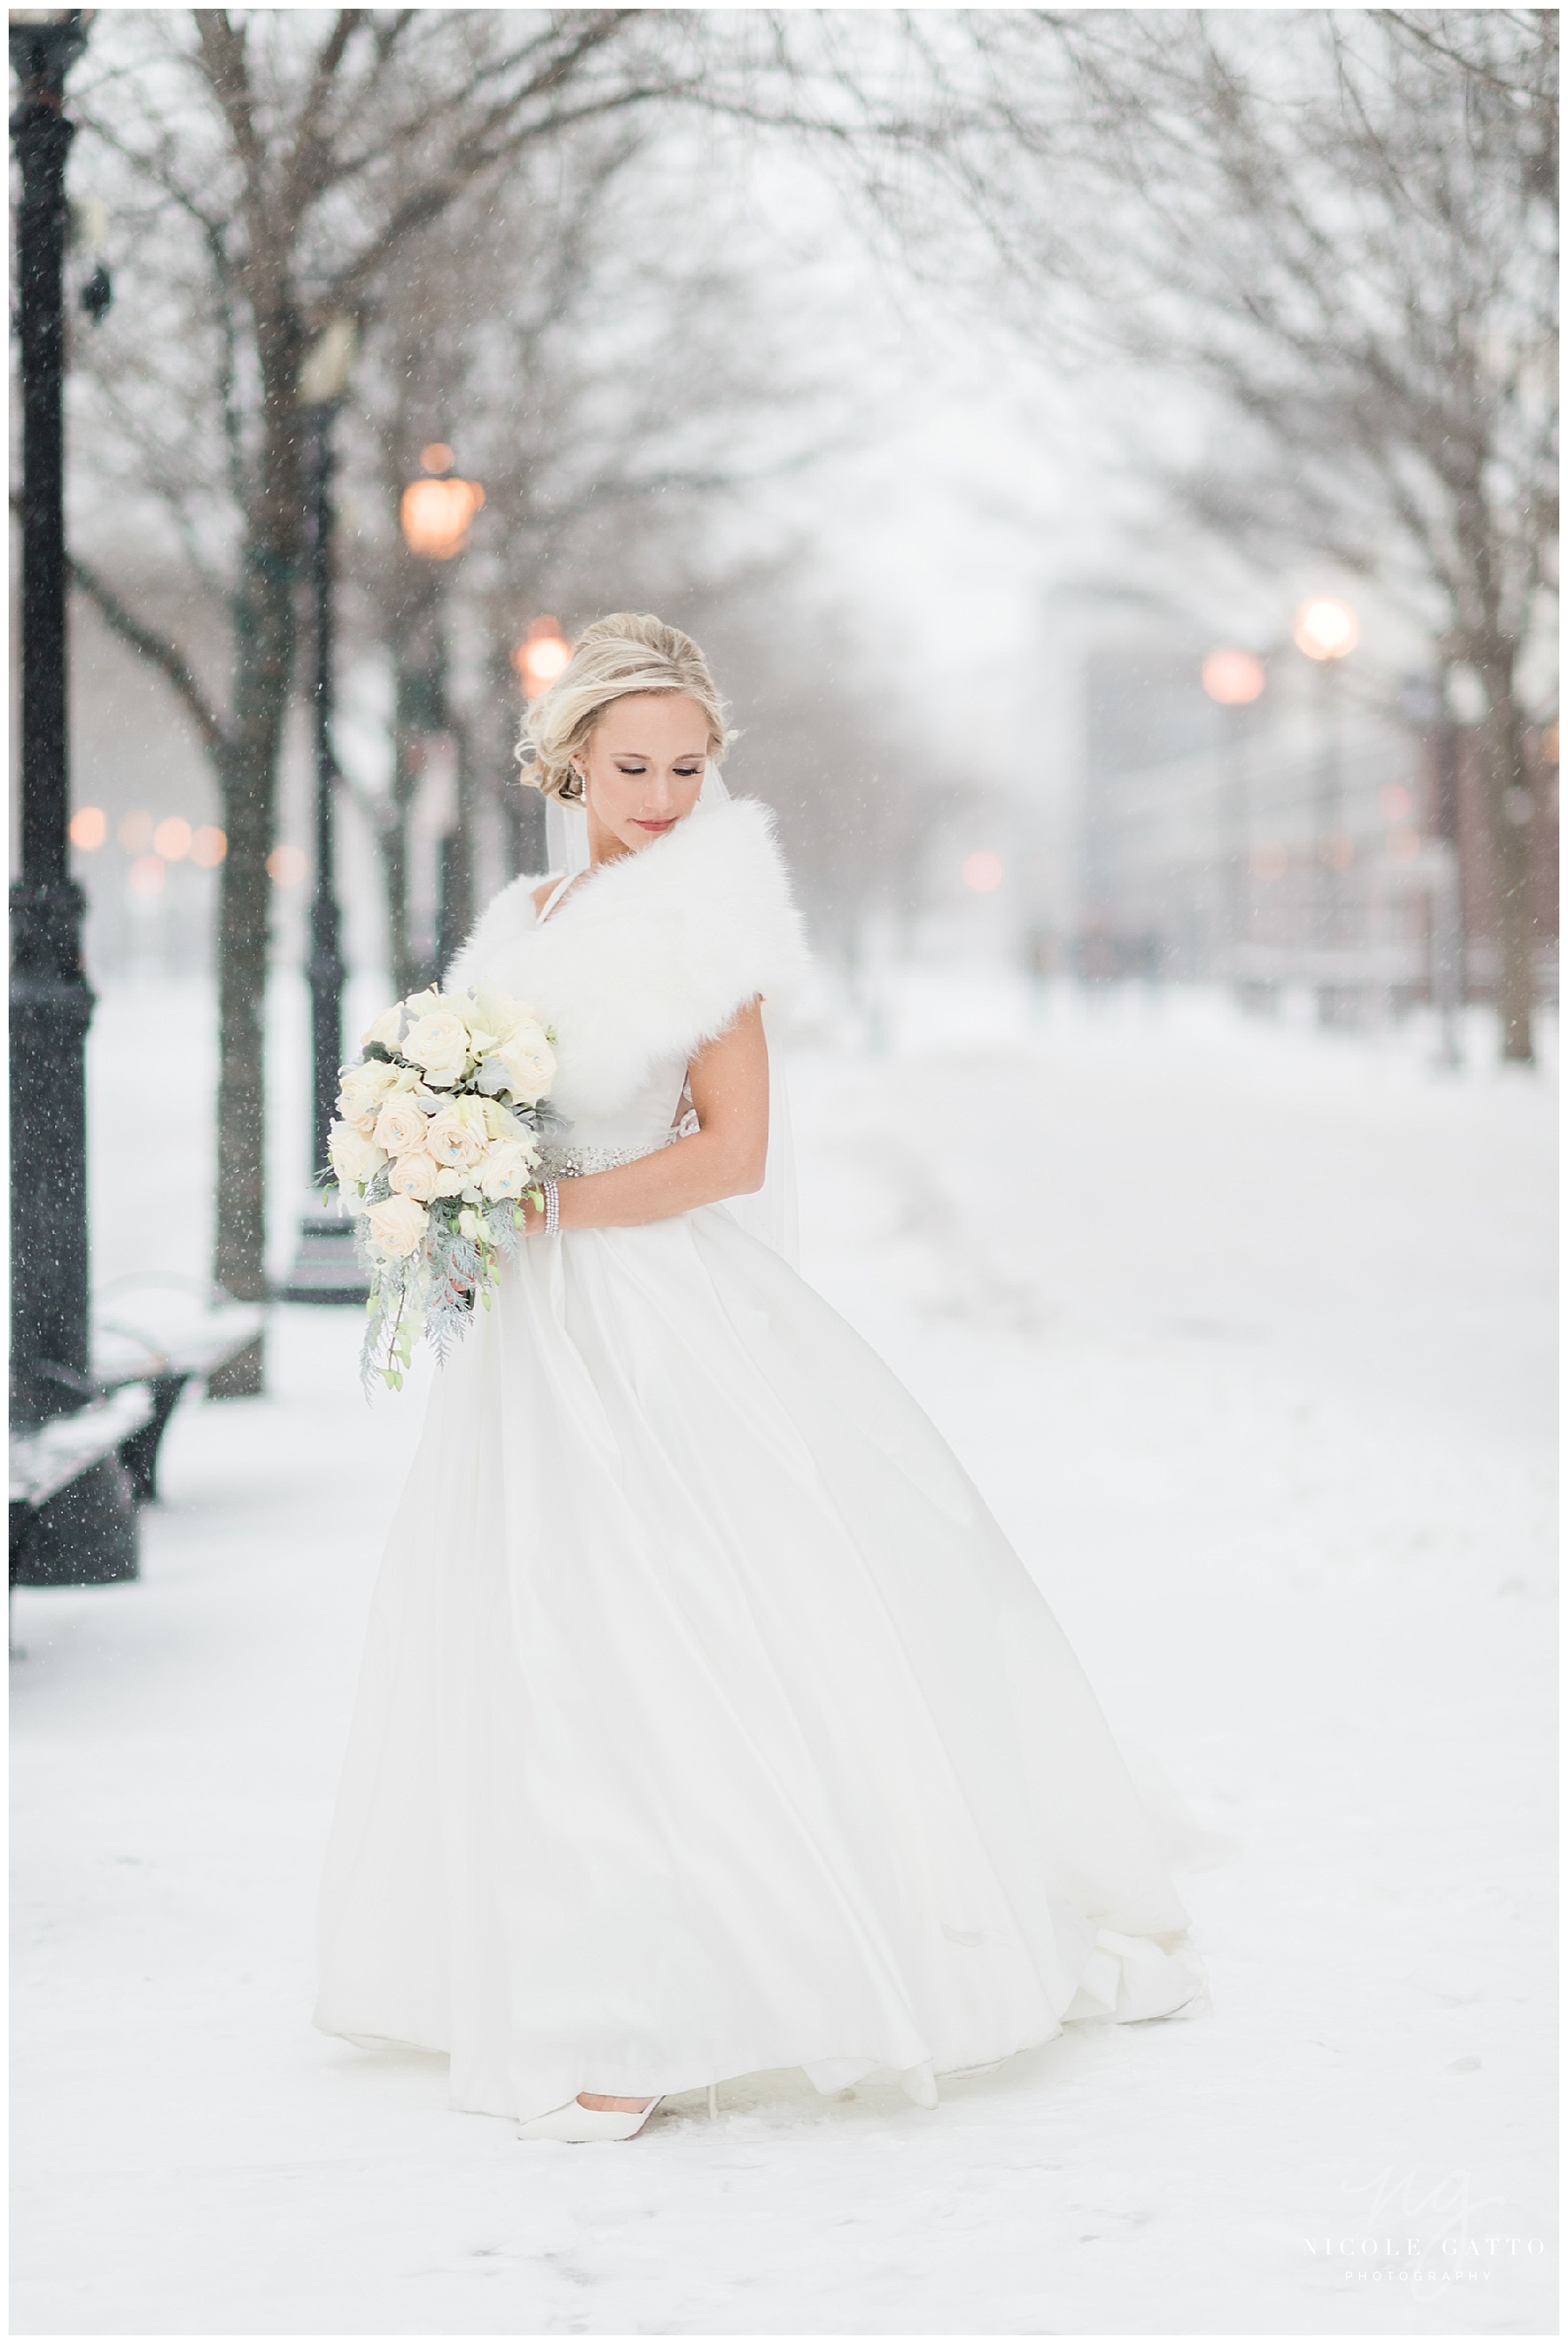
[(552, 1209)]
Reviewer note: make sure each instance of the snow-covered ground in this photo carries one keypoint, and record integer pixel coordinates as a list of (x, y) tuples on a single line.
[(1246, 1333)]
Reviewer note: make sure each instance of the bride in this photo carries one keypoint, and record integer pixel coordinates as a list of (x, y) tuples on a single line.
[(708, 1724)]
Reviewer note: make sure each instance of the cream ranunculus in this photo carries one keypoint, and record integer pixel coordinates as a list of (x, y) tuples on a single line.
[(439, 1043), (353, 1155), (362, 1089), (415, 1175), (505, 1170), (396, 1226), (497, 1012), (457, 1135), (385, 1030), (477, 1016), (401, 1127)]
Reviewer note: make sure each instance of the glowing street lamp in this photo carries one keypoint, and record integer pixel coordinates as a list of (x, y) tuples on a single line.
[(541, 657), (438, 510), (1325, 629), (1232, 679)]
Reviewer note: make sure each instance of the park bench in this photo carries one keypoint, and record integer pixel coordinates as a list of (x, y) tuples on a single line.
[(152, 1335), (47, 1459), (164, 1332)]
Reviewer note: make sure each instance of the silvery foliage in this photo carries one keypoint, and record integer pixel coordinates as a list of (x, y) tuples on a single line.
[(431, 1290)]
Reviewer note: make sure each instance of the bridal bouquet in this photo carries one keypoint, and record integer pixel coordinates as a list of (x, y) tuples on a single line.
[(432, 1153)]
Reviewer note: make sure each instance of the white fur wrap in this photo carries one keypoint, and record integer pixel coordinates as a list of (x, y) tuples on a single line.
[(649, 956)]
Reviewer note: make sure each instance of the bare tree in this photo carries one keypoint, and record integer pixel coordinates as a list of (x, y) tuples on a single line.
[(615, 376), (284, 162), (1342, 228)]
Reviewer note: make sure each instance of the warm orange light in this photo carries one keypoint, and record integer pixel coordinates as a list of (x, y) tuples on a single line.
[(1233, 678), (438, 515), (1403, 845), (147, 874), (1326, 629), (1394, 802), (541, 656), (983, 871), (208, 847), (173, 839), (1269, 863), (1338, 851), (1549, 744), (136, 832), (285, 866), (438, 457), (89, 828)]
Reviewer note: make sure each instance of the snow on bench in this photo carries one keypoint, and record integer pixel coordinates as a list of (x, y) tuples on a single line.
[(47, 1458), (164, 1331)]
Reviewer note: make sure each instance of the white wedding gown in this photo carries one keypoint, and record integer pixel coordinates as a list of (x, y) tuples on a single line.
[(708, 1723)]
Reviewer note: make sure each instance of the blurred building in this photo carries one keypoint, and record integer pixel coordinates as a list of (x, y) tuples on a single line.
[(1328, 834)]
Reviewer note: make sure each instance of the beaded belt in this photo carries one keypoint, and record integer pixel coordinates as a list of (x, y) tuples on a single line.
[(562, 1161)]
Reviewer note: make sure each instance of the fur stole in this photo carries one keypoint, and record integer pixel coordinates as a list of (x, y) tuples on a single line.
[(651, 956)]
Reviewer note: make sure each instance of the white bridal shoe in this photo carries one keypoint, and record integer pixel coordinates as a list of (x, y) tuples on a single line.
[(574, 2122)]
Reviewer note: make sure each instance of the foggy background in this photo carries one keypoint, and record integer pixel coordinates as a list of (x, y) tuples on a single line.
[(995, 397), (943, 555)]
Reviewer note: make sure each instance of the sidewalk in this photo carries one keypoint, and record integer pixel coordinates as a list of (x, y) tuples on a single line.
[(1245, 1337)]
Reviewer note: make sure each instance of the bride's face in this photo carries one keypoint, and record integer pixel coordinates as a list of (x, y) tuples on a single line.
[(643, 768)]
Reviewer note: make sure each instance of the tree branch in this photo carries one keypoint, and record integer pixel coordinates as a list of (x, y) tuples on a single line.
[(307, 169), (425, 204), (149, 644)]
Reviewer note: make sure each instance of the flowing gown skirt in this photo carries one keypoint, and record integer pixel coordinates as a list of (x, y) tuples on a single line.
[(708, 1724)]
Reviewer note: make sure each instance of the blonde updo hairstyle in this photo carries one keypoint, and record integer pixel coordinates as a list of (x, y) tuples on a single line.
[(628, 651)]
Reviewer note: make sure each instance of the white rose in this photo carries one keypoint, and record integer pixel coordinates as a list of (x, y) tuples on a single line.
[(415, 1175), (530, 1063), (505, 1170), (401, 1127), (385, 1030), (396, 1226), (469, 1225), (439, 1043), (361, 1090), (457, 1135), (451, 1180), (353, 1155)]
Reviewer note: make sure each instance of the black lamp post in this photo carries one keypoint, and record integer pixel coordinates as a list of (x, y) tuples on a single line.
[(437, 511), (88, 1533), (324, 1269)]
